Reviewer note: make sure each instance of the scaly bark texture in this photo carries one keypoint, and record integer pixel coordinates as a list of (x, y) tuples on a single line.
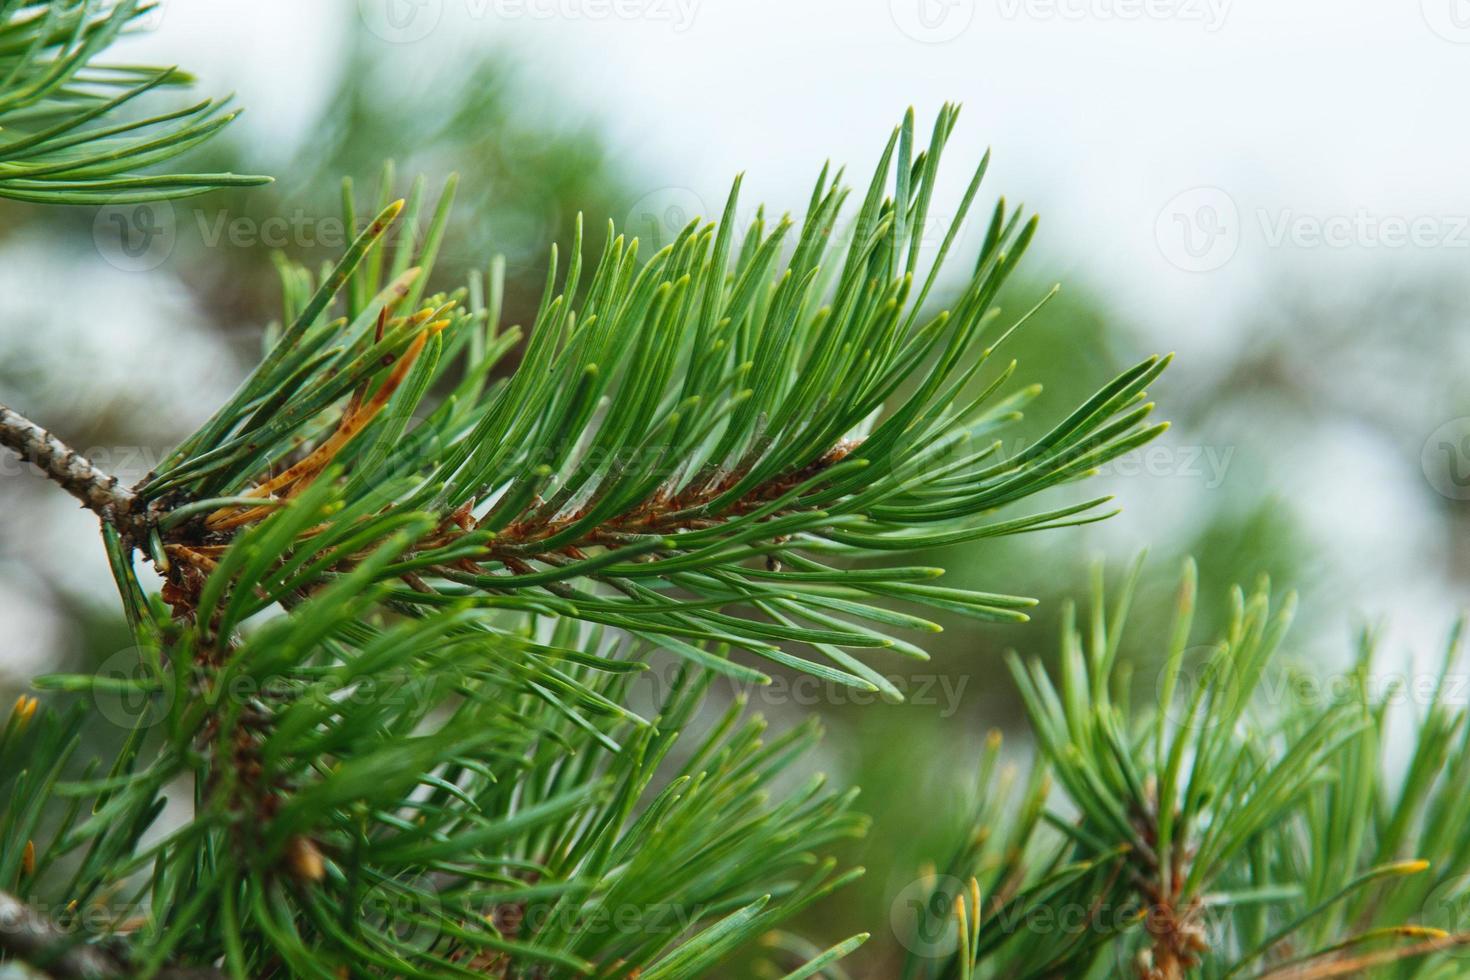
[(36, 939), (99, 492)]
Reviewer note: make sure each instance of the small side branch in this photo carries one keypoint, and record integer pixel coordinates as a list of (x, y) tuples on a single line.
[(35, 940), (98, 491)]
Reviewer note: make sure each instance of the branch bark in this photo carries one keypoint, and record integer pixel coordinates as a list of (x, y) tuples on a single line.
[(73, 472), (35, 940)]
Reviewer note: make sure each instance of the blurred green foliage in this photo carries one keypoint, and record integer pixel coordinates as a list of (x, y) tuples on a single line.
[(525, 176)]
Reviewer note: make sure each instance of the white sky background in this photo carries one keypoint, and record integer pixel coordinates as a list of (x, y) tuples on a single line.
[(1099, 118), (1101, 113)]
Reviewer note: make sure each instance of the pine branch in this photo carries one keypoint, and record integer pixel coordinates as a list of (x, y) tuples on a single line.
[(58, 100), (711, 431), (99, 492), (534, 814), (685, 436), (1215, 832)]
